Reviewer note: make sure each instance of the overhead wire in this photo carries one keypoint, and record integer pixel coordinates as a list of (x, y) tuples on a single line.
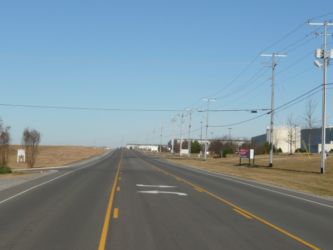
[(278, 109), (76, 108)]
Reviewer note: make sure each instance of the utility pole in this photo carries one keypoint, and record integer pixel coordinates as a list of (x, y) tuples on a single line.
[(229, 133), (181, 134), (325, 55), (200, 138), (189, 142), (208, 100), (161, 139), (271, 128), (173, 138)]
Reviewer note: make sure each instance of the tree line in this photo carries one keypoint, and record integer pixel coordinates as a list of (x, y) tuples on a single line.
[(30, 141)]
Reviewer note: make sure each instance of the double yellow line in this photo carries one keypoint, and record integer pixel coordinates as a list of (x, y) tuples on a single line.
[(236, 208), (105, 230)]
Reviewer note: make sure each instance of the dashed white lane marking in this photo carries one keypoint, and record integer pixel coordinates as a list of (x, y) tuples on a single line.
[(155, 186), (162, 192)]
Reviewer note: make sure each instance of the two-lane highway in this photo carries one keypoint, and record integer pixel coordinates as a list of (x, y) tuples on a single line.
[(214, 214), (129, 200)]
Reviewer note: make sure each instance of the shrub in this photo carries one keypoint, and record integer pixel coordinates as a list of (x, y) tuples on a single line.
[(300, 150), (5, 170)]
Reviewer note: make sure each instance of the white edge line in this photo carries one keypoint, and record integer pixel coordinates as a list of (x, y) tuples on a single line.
[(46, 182), (231, 178), (34, 187)]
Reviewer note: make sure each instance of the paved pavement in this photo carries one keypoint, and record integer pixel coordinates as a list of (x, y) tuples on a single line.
[(128, 200)]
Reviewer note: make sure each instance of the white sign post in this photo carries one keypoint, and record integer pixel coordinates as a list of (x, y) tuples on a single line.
[(20, 155)]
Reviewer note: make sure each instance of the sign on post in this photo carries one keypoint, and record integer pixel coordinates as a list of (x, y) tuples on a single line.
[(20, 155), (245, 153)]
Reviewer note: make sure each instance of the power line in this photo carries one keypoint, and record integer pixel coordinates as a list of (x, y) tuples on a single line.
[(284, 106), (87, 108), (229, 84)]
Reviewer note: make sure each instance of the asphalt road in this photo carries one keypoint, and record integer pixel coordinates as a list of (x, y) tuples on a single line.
[(128, 200)]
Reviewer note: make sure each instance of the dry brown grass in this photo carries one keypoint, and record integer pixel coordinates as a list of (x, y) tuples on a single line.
[(300, 172), (52, 156)]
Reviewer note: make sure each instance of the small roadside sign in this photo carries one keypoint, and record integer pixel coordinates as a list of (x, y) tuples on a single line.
[(245, 153)]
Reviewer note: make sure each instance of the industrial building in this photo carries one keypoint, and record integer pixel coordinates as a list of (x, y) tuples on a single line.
[(145, 147), (290, 139), (311, 139)]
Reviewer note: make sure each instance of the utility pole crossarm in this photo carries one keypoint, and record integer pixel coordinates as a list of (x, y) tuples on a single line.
[(320, 24), (275, 54)]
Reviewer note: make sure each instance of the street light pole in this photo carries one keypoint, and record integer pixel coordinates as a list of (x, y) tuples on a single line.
[(325, 55)]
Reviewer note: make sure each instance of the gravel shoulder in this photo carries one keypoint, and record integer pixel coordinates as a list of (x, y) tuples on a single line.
[(14, 179)]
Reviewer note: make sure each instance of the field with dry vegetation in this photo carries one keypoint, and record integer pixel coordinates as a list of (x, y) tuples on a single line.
[(300, 171), (52, 156)]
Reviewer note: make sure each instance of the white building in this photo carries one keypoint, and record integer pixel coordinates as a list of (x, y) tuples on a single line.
[(145, 147), (288, 139)]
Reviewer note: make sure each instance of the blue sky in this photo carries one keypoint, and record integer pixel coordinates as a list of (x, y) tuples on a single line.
[(156, 55)]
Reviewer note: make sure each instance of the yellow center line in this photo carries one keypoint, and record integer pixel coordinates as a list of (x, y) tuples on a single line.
[(102, 241), (115, 213), (239, 209), (198, 189), (243, 214)]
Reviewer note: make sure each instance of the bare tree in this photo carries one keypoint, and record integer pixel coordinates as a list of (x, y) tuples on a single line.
[(31, 139), (292, 134), (4, 143), (309, 120)]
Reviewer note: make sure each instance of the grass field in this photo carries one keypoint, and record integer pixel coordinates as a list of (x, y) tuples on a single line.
[(300, 171), (51, 156)]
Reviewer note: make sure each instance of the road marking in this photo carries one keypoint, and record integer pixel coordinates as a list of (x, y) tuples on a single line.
[(102, 241), (37, 186), (198, 189), (46, 182), (258, 186), (243, 214), (118, 189), (267, 223), (115, 213), (161, 192), (155, 186)]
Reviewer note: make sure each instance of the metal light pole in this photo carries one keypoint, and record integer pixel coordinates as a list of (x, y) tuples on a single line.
[(325, 55), (271, 128)]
